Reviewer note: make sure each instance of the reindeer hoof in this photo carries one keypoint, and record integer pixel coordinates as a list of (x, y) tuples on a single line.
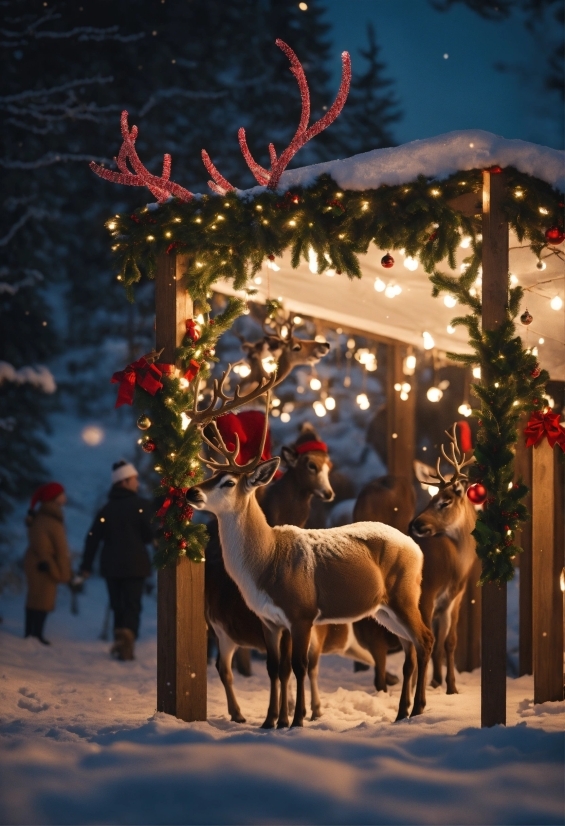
[(283, 723), (316, 714), (268, 723), (452, 690), (417, 710), (435, 683), (391, 679), (296, 723), (402, 715), (238, 718)]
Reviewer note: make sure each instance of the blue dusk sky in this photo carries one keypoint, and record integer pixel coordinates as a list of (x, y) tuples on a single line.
[(463, 90)]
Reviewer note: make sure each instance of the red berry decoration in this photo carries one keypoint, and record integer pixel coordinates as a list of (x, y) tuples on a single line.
[(536, 371), (168, 535), (526, 318), (477, 493), (149, 446), (271, 257), (555, 235), (182, 543), (387, 261), (494, 170)]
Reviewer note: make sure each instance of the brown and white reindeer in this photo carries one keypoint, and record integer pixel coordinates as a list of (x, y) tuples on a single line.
[(295, 579), (443, 532)]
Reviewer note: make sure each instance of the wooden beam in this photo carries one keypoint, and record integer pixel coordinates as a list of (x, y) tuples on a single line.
[(494, 300), (401, 415), (181, 627), (523, 471), (547, 564), (468, 651)]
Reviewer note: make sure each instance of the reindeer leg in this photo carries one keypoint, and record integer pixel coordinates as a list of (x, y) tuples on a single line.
[(451, 644), (272, 641), (300, 642), (407, 671), (242, 660), (441, 627), (285, 668), (226, 648), (313, 669), (423, 639)]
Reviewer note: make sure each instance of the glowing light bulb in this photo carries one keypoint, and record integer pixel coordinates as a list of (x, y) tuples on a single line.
[(405, 387), (92, 435), (450, 301), (409, 365), (111, 225), (297, 319), (398, 387), (450, 329), (465, 242), (380, 285), (315, 384), (411, 263), (556, 302), (433, 490), (330, 403), (285, 417), (464, 409), (276, 403), (319, 409), (242, 370), (429, 342), (257, 280), (476, 372), (543, 211), (269, 364), (513, 279), (312, 260), (363, 401), (184, 383), (434, 394), (185, 420), (541, 341), (404, 396)]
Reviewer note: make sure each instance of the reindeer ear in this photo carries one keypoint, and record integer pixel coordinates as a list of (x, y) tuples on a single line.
[(424, 473), (289, 456), (262, 474)]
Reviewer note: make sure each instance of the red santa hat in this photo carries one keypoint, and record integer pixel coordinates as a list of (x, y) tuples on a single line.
[(46, 493)]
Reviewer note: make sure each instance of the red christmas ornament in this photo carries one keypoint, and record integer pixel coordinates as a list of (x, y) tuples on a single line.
[(271, 257), (536, 371), (182, 543), (554, 235), (477, 493), (387, 261), (149, 446), (526, 318)]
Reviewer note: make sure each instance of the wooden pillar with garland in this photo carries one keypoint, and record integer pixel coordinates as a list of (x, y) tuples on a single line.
[(181, 626), (494, 304)]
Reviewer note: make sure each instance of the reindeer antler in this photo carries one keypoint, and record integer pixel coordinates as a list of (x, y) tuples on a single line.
[(454, 460), (162, 188), (231, 455), (271, 177), (203, 417), (279, 325)]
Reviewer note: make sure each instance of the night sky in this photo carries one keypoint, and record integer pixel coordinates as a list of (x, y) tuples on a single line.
[(464, 90)]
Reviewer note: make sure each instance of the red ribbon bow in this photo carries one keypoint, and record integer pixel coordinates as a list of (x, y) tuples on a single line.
[(140, 372), (545, 424), (176, 495), (192, 329)]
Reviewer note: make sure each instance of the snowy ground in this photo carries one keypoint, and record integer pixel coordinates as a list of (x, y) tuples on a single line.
[(81, 743)]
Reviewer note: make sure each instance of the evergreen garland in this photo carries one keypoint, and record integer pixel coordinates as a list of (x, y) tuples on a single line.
[(229, 237)]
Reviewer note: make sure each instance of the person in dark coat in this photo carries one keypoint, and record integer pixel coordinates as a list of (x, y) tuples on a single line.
[(123, 527), (47, 562)]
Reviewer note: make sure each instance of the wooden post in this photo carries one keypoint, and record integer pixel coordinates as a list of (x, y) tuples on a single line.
[(547, 563), (401, 416), (523, 470), (495, 298), (181, 627)]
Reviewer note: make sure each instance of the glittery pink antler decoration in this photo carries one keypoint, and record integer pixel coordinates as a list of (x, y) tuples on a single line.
[(271, 177), (162, 188)]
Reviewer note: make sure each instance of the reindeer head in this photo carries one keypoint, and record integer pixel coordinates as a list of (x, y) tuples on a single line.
[(449, 510), (294, 351), (309, 463)]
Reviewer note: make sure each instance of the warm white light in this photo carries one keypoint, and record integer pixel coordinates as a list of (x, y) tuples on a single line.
[(92, 435), (312, 260), (435, 192), (543, 211), (321, 339), (111, 225), (398, 387), (513, 279), (292, 223), (297, 319), (319, 409), (275, 402), (541, 341), (315, 384), (404, 396), (429, 342), (363, 401), (518, 193), (184, 383), (351, 343), (285, 417), (242, 370), (411, 263), (405, 387), (433, 490), (465, 242), (200, 318), (464, 409), (392, 290), (450, 301), (476, 372), (556, 302), (330, 403), (257, 280), (434, 394), (272, 266), (450, 329), (409, 365), (380, 285), (562, 579), (269, 364)]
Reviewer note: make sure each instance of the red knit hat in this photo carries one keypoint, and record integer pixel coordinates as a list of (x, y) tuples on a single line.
[(46, 493)]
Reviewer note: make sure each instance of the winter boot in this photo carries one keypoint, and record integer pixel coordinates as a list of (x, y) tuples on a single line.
[(128, 645), (118, 643), (41, 616)]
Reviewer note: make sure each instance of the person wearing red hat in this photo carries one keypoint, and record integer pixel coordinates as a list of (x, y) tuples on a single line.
[(47, 560)]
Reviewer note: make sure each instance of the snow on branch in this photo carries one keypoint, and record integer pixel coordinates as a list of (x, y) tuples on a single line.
[(55, 90), (82, 33), (177, 92), (31, 212), (40, 377), (31, 278), (47, 160)]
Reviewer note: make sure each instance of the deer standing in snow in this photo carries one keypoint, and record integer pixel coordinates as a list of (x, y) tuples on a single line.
[(294, 578)]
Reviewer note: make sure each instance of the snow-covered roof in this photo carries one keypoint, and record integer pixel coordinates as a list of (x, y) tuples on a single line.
[(357, 304), (436, 157)]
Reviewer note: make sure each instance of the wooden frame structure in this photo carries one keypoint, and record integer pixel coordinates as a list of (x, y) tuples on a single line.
[(181, 631)]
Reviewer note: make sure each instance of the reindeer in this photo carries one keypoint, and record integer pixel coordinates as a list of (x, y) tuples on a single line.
[(295, 579), (443, 531)]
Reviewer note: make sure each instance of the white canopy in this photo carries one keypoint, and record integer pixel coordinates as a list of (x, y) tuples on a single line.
[(410, 313)]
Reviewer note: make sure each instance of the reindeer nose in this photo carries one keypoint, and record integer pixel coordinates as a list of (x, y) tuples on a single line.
[(419, 528), (324, 346), (329, 495), (193, 495)]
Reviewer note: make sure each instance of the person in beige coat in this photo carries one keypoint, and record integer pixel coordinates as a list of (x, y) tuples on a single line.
[(47, 561)]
